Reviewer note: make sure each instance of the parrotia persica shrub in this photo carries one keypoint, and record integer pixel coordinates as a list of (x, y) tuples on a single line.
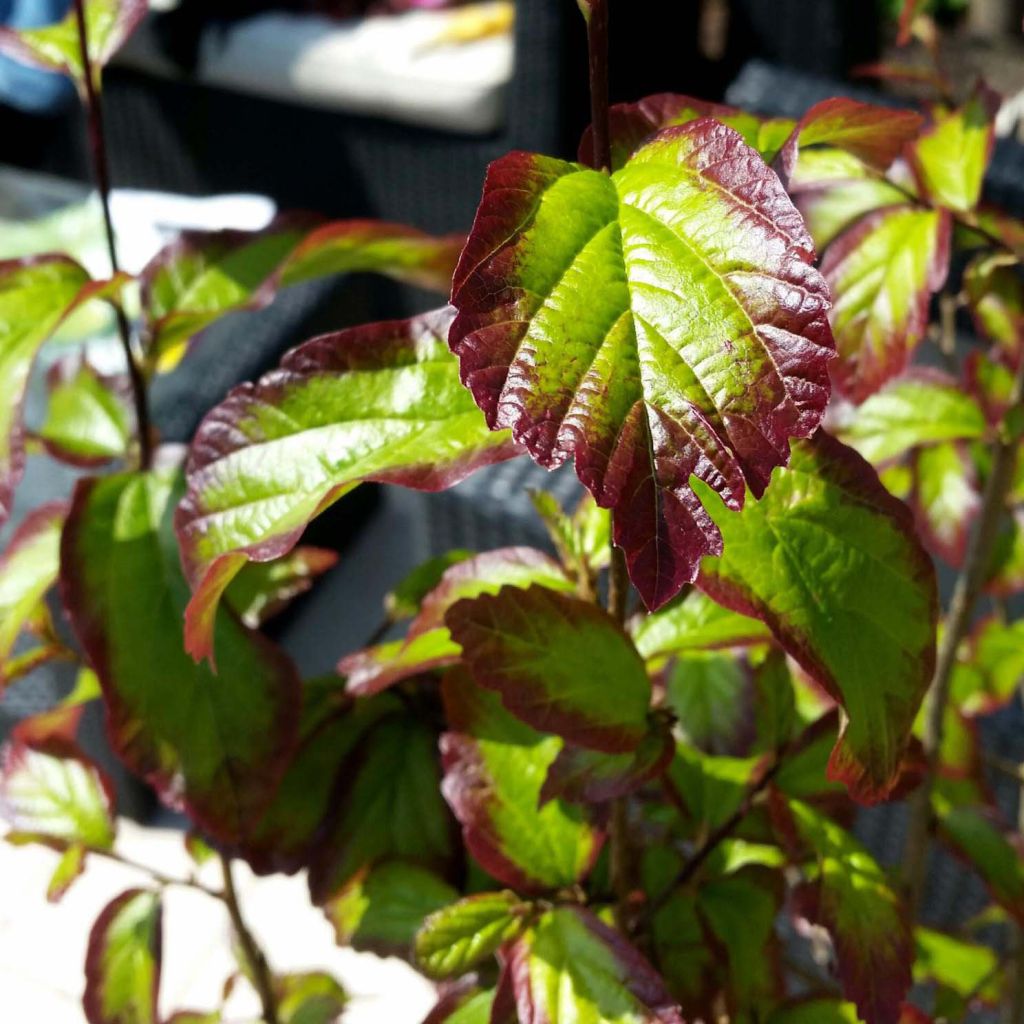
[(567, 809)]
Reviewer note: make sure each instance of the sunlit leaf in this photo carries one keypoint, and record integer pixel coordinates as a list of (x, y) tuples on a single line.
[(883, 272), (968, 968), (658, 325), (217, 743), (994, 288), (122, 966), (313, 997), (494, 769), (946, 498), (829, 560), (381, 402), (69, 867)]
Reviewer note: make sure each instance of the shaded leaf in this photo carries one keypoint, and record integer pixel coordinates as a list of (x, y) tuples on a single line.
[(710, 695), (882, 273), (951, 156), (571, 967), (262, 589), (217, 744), (88, 420), (314, 997), (994, 288), (387, 807), (61, 721), (852, 899), (458, 937), (56, 47), (656, 325), (968, 968), (380, 402), (494, 770), (201, 276), (122, 966), (28, 568), (404, 600), (829, 560), (946, 498), (991, 668), (55, 792), (921, 407), (428, 644), (560, 664), (382, 908), (36, 296), (465, 1005)]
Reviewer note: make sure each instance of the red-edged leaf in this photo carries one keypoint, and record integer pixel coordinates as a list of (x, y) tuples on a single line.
[(28, 568), (36, 296), (883, 272), (262, 589), (122, 965), (55, 792), (852, 899), (61, 722), (570, 966), (561, 664), (217, 744), (994, 287), (630, 125), (946, 498), (494, 769), (56, 47), (380, 402), (830, 561), (656, 325), (428, 644)]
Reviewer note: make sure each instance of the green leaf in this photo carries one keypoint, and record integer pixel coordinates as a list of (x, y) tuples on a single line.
[(310, 998), (381, 402), (28, 568), (69, 867), (829, 560), (710, 695), (560, 664), (882, 273), (388, 807), (36, 296), (997, 855), (946, 498), (712, 787), (922, 407), (60, 723), (831, 207), (88, 421), (262, 589), (852, 899), (494, 770), (200, 276), (218, 743), (994, 287), (331, 726), (382, 908), (428, 643), (991, 668), (695, 623), (569, 967), (458, 937), (404, 601), (661, 324), (951, 156), (821, 1010), (968, 968), (583, 539), (54, 792), (122, 965), (465, 1005), (56, 47)]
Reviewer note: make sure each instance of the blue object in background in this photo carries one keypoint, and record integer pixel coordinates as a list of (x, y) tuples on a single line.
[(31, 89)]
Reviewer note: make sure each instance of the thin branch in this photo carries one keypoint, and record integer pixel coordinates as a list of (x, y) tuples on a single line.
[(618, 586), (715, 838), (157, 876), (101, 173), (262, 979), (961, 613), (596, 13)]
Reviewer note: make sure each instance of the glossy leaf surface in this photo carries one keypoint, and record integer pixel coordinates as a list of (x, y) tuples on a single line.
[(570, 967), (381, 402), (122, 966), (882, 273), (460, 936), (217, 743), (56, 47), (658, 324), (560, 664), (829, 560), (494, 769)]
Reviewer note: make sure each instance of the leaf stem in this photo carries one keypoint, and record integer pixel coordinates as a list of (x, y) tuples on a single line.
[(597, 41), (958, 621), (261, 977), (157, 876), (618, 586), (101, 174), (715, 838)]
